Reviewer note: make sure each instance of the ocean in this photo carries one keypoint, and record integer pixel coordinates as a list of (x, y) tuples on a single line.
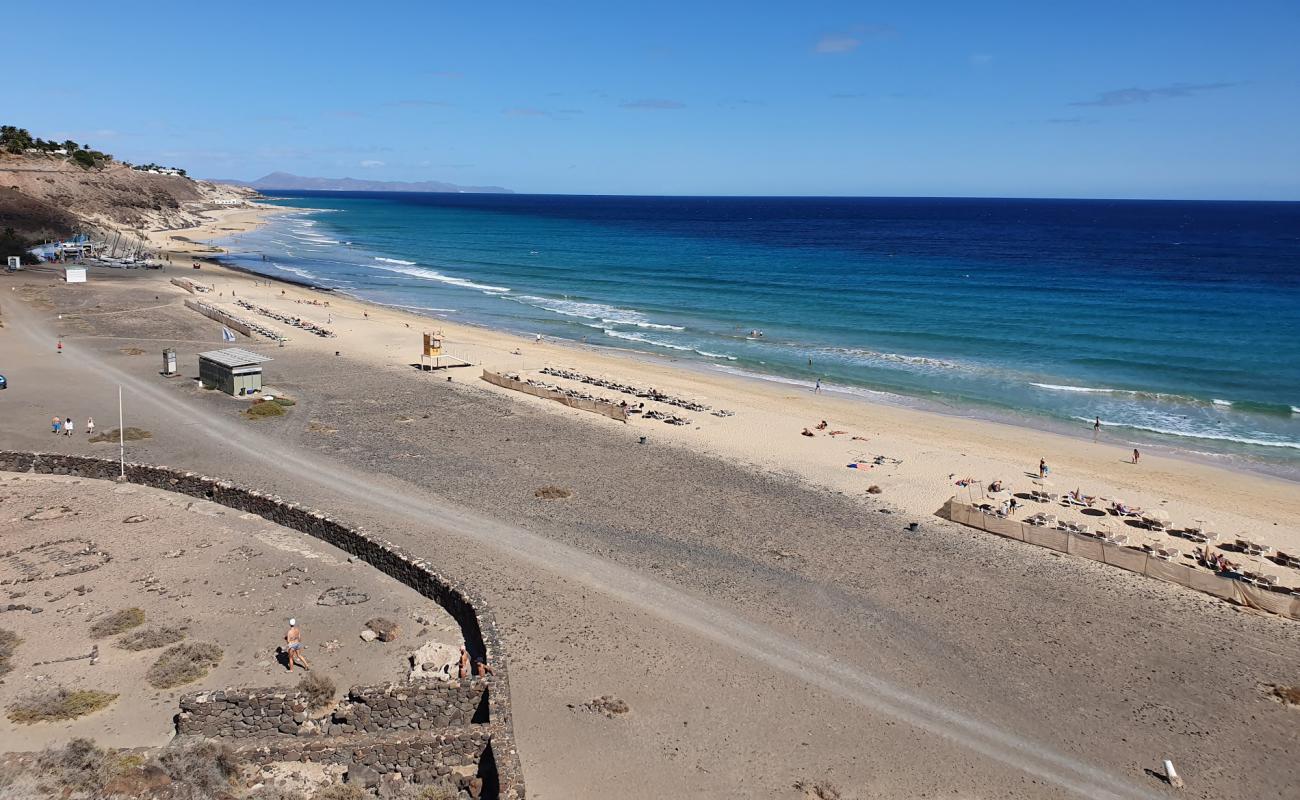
[(1176, 323)]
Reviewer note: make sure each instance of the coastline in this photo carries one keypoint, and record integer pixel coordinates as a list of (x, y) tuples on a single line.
[(769, 416)]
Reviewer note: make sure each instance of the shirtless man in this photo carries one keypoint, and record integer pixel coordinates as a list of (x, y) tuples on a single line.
[(293, 645)]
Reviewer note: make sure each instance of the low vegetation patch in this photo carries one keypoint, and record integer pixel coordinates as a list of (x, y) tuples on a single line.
[(131, 351), (130, 435), (150, 638), (287, 402), (206, 767), (319, 690), (1290, 695), (59, 704), (264, 410), (9, 642), (117, 622), (552, 493), (874, 489), (184, 663)]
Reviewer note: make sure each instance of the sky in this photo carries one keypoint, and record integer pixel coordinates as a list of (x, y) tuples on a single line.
[(1189, 99)]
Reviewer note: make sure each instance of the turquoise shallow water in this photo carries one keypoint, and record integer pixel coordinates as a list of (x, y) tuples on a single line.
[(1174, 322)]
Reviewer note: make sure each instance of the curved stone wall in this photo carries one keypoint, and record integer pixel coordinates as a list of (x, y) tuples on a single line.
[(494, 738)]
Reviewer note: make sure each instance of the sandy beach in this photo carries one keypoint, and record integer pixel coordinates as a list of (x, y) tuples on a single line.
[(925, 454), (768, 621)]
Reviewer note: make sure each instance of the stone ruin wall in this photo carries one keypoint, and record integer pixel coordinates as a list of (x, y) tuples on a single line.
[(395, 728)]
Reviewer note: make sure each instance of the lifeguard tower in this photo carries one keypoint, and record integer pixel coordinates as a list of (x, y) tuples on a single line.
[(432, 355)]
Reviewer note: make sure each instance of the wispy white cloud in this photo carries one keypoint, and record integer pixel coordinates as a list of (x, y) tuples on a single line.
[(370, 163), (847, 41), (654, 104), (1133, 95)]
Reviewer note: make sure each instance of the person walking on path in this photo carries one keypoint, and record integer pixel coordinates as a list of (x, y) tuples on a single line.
[(817, 388), (67, 427), (1096, 428), (1135, 455), (1042, 468), (293, 646), (90, 426), (55, 425)]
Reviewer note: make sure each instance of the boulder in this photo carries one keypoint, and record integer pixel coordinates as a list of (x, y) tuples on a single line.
[(385, 628), (435, 661)]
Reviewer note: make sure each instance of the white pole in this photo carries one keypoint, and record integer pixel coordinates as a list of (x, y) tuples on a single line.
[(121, 435)]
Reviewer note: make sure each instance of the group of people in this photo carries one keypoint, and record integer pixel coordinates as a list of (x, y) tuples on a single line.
[(65, 425)]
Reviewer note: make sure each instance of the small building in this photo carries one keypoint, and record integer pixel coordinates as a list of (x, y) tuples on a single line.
[(74, 274), (234, 371)]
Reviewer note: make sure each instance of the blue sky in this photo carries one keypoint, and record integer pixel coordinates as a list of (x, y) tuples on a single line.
[(1183, 99)]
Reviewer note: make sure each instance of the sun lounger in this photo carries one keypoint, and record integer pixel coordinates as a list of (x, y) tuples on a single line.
[(1167, 553)]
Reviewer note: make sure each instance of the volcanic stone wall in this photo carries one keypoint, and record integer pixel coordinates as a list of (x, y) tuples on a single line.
[(384, 709), (375, 738)]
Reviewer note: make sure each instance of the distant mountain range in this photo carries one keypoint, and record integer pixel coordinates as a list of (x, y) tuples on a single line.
[(287, 182)]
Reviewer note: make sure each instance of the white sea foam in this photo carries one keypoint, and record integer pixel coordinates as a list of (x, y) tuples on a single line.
[(641, 337), (1219, 402), (860, 356), (431, 275), (397, 261), (1058, 388), (1209, 435), (299, 271), (604, 314)]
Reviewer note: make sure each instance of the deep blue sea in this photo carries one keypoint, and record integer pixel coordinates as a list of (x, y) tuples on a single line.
[(1177, 323)]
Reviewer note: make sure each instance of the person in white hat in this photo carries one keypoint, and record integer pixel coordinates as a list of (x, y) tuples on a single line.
[(293, 646)]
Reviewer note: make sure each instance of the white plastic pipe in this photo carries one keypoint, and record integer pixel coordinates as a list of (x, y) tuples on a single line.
[(1172, 775)]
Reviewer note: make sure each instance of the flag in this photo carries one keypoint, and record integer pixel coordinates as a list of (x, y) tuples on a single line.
[(227, 335)]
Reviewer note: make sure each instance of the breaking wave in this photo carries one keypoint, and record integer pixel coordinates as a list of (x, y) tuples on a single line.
[(431, 275)]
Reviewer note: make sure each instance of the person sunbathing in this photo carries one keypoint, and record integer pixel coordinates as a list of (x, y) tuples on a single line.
[(822, 425), (995, 486), (807, 432)]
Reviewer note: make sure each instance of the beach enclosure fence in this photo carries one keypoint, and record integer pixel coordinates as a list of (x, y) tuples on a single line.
[(614, 412), (1139, 561), (220, 316)]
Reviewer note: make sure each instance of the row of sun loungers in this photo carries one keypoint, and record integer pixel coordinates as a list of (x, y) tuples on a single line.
[(635, 391), (671, 419), (297, 322)]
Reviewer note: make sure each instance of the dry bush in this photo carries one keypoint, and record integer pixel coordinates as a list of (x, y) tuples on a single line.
[(386, 629), (1289, 695), (150, 638), (874, 489), (341, 791), (79, 765), (117, 622), (274, 793), (183, 664), (130, 435), (206, 767), (552, 493), (264, 410), (441, 791), (319, 690), (821, 790), (54, 705), (286, 402), (9, 642)]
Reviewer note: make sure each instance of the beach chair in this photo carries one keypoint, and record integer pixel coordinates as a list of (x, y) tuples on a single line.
[(1118, 538)]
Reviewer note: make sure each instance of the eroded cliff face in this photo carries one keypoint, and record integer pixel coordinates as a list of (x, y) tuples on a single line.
[(45, 196)]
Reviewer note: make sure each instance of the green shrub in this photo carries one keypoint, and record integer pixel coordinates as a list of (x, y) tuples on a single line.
[(264, 410)]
